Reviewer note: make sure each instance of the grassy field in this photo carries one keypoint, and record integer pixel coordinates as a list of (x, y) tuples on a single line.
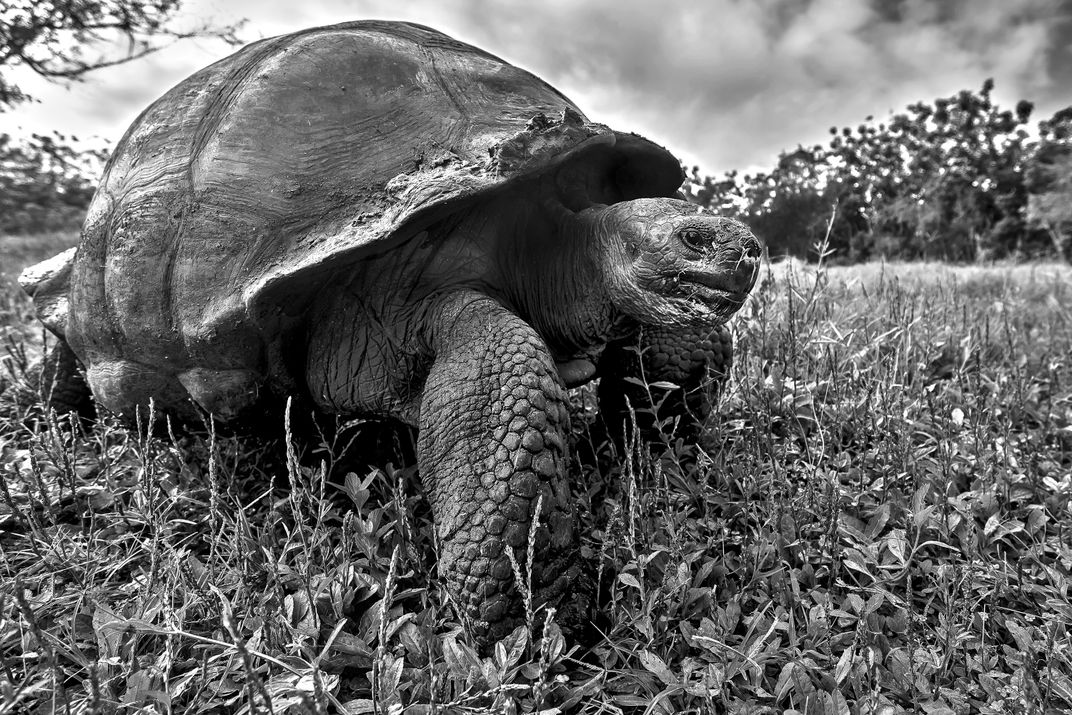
[(879, 523), (20, 332)]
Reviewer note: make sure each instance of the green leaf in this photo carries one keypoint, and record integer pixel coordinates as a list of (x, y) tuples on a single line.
[(463, 662), (654, 664), (587, 689), (390, 674), (844, 665), (665, 385), (509, 650), (937, 707), (785, 681), (897, 545), (834, 704), (553, 643)]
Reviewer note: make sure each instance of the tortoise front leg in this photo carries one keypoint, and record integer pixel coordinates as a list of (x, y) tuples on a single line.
[(492, 425), (694, 361)]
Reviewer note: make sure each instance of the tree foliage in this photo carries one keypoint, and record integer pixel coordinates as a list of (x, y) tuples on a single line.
[(1049, 182), (940, 180), (46, 183), (61, 40)]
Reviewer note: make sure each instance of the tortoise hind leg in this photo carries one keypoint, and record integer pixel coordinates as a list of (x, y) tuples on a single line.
[(63, 382), (125, 386), (56, 381), (226, 394)]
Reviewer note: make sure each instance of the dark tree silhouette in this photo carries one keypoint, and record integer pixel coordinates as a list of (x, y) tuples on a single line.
[(1048, 182), (45, 183), (959, 190), (941, 180), (61, 40)]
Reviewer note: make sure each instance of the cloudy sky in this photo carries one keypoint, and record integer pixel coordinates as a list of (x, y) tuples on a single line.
[(723, 83)]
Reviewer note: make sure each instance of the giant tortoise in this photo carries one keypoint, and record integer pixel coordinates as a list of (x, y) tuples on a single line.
[(384, 221)]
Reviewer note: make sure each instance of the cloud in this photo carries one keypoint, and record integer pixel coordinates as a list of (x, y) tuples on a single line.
[(724, 83), (730, 83)]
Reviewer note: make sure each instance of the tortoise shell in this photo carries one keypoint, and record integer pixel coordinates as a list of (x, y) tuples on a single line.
[(241, 191)]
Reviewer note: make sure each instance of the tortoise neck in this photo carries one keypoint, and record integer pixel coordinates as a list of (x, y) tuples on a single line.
[(556, 282)]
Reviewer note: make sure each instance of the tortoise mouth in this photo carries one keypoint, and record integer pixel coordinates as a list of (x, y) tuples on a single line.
[(718, 300), (718, 288)]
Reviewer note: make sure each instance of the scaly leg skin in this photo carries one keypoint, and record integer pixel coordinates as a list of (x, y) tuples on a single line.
[(492, 425), (696, 361)]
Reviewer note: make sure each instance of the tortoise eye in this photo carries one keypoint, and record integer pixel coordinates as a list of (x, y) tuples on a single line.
[(693, 239)]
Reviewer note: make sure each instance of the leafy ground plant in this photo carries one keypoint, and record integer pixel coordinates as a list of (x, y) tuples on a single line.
[(877, 523)]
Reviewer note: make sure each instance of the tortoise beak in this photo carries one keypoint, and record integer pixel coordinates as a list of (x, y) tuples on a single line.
[(733, 263)]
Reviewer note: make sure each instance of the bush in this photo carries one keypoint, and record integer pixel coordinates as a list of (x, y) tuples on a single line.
[(46, 183)]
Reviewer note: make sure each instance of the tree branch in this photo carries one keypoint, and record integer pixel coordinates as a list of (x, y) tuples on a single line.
[(49, 37)]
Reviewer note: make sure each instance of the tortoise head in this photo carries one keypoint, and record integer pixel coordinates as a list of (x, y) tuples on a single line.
[(668, 264)]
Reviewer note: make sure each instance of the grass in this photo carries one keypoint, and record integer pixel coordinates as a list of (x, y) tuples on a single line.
[(878, 524)]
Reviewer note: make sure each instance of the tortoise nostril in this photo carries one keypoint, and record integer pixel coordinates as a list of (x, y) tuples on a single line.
[(750, 248)]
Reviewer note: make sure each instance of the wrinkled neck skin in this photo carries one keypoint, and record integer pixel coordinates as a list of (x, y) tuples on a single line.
[(370, 334), (553, 276)]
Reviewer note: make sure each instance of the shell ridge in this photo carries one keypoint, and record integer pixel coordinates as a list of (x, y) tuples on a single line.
[(236, 81), (448, 90)]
